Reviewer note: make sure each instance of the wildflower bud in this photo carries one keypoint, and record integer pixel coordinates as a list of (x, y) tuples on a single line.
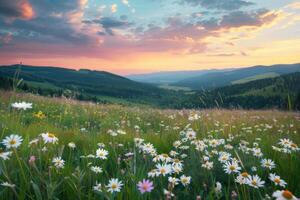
[(31, 160), (198, 197)]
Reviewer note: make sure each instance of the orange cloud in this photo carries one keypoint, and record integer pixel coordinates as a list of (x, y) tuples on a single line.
[(27, 10)]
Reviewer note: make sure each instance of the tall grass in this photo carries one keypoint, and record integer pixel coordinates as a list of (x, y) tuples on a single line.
[(88, 124)]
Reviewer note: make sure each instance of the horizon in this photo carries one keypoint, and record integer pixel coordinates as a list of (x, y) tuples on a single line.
[(137, 36), (148, 73)]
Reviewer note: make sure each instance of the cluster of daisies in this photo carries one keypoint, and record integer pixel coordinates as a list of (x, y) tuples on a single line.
[(225, 155)]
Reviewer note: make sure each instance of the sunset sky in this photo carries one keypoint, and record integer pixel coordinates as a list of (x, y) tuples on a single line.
[(137, 36)]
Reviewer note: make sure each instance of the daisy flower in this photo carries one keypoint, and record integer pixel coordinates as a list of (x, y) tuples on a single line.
[(12, 141), (21, 105), (49, 138), (231, 167), (114, 185), (173, 180), (208, 165), (98, 187), (58, 162), (72, 145), (277, 180), (145, 186), (164, 169), (185, 180), (96, 169), (285, 142), (242, 178), (218, 187), (267, 163), (255, 181), (284, 195), (5, 155), (101, 153)]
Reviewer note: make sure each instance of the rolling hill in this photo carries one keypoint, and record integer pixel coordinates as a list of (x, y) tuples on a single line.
[(168, 77), (251, 92), (84, 84), (220, 79)]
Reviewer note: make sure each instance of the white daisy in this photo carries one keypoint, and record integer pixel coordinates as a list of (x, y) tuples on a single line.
[(49, 138), (5, 155), (218, 188), (98, 187), (96, 169), (284, 195), (277, 180), (255, 181), (242, 178), (12, 141), (101, 153), (114, 185), (231, 167), (164, 169), (267, 163), (22, 105), (173, 180), (185, 180), (58, 162), (72, 145)]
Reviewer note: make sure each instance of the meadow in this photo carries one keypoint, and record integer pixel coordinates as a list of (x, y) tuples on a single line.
[(54, 148)]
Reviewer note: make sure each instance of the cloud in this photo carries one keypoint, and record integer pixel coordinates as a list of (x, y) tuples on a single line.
[(125, 2), (110, 23), (13, 9), (240, 18), (113, 8), (219, 4), (295, 6)]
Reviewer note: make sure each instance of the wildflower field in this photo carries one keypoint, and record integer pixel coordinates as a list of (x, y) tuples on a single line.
[(63, 149)]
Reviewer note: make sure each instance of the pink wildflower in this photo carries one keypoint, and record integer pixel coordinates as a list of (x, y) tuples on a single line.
[(145, 186)]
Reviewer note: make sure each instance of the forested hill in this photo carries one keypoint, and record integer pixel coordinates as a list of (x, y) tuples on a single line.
[(83, 84), (280, 92), (242, 75)]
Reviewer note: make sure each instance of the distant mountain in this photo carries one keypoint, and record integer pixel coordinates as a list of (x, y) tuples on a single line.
[(168, 77), (220, 79), (83, 83)]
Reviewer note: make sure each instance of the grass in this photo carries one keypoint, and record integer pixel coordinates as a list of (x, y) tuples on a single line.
[(87, 125)]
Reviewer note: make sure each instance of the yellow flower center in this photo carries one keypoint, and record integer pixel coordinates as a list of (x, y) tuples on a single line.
[(254, 183), (277, 180), (244, 174), (232, 167), (12, 142), (287, 194), (162, 171), (113, 186), (51, 135)]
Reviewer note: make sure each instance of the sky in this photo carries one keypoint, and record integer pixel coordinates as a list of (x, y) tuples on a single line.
[(140, 36)]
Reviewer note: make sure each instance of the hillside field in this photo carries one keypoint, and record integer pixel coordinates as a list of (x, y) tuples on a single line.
[(65, 149)]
